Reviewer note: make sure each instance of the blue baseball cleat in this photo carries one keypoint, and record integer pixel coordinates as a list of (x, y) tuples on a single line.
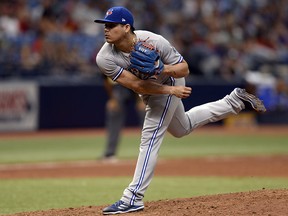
[(120, 207)]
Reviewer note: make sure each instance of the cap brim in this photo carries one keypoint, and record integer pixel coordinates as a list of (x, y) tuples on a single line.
[(109, 21), (104, 21)]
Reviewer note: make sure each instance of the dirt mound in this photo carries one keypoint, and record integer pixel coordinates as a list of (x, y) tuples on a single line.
[(263, 202)]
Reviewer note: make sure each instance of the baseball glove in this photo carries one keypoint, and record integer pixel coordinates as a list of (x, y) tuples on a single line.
[(145, 60)]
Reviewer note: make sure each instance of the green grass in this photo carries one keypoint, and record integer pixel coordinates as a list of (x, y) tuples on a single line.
[(50, 149), (40, 194), (219, 145), (89, 148)]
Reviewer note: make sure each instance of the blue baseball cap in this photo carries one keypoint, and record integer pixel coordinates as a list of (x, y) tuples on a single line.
[(119, 15)]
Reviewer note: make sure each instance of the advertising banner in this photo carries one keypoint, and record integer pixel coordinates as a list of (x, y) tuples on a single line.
[(18, 106)]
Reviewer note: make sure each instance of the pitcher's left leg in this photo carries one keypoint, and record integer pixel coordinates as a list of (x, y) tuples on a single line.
[(159, 112)]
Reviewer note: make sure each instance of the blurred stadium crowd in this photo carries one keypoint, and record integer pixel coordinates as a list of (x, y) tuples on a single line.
[(227, 39)]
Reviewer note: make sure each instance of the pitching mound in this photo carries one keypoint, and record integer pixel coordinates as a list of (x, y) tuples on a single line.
[(264, 202)]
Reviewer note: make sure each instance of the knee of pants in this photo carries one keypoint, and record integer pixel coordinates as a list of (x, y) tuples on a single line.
[(178, 134)]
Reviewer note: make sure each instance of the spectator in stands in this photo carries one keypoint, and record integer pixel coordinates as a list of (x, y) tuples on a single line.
[(226, 38)]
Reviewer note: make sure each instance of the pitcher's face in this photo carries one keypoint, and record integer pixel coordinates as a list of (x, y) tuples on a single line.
[(114, 32)]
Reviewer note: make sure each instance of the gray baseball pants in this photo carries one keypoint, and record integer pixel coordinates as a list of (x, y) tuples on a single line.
[(166, 113)]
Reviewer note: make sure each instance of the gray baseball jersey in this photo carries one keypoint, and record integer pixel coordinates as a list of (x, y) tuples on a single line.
[(112, 62), (163, 112)]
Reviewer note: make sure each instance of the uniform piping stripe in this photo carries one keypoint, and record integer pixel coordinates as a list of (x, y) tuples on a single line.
[(118, 74), (151, 145), (180, 60)]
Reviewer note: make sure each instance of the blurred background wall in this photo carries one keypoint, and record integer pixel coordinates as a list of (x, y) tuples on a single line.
[(49, 79)]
